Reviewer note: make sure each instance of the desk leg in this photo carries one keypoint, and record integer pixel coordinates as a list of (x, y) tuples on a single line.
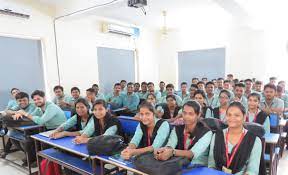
[(37, 156)]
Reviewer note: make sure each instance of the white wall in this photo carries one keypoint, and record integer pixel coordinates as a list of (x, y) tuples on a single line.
[(39, 26), (78, 40)]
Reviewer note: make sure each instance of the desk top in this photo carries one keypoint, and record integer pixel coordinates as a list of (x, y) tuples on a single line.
[(23, 128), (271, 138), (65, 144)]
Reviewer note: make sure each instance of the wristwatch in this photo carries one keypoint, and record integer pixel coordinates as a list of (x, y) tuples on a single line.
[(174, 153)]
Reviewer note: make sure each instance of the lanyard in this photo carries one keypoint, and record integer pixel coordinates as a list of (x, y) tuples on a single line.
[(148, 138), (255, 116), (230, 159)]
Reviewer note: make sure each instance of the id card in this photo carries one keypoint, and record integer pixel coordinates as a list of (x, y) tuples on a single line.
[(226, 170)]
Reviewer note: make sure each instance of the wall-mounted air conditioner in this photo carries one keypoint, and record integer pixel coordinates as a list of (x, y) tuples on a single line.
[(11, 9), (120, 30)]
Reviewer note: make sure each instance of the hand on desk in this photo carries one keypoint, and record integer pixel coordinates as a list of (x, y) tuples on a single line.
[(163, 153), (17, 116), (80, 140), (57, 135), (127, 153)]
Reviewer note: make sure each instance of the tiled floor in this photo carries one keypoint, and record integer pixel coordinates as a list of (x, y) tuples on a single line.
[(10, 169)]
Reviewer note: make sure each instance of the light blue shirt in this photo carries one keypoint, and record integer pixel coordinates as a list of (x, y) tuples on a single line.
[(89, 130), (131, 101), (178, 100), (162, 134), (71, 122), (180, 94), (116, 101), (12, 103), (213, 102), (266, 123)]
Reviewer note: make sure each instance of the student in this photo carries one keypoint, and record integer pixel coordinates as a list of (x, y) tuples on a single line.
[(281, 95), (230, 77), (273, 80), (200, 98), (144, 92), (235, 81), (75, 95), (239, 94), (235, 150), (12, 103), (183, 93), (151, 90), (283, 85), (205, 80), (136, 87), (123, 85), (170, 91), (220, 112), (162, 88), (193, 89), (46, 113), (248, 87), (270, 103), (227, 85), (195, 81), (170, 111), (98, 95), (211, 99), (90, 97), (130, 99), (220, 82), (60, 98), (214, 81), (255, 114), (201, 85), (75, 125), (191, 140), (101, 123), (258, 87), (151, 133), (114, 98), (151, 98), (23, 103)]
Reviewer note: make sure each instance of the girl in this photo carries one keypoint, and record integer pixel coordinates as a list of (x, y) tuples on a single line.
[(200, 98), (235, 150), (190, 140), (255, 114), (169, 111), (150, 134), (102, 123)]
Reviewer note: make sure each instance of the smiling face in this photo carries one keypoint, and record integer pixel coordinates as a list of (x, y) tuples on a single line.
[(200, 99), (239, 91), (99, 111), (253, 102), (15, 92), (209, 89), (223, 99), (23, 102), (146, 116), (189, 115), (235, 118), (81, 109), (39, 101), (75, 94), (269, 93)]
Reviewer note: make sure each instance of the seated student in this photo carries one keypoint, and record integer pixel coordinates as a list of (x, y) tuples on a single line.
[(230, 77), (23, 103), (90, 97), (101, 123), (227, 85), (235, 150), (60, 99), (270, 103), (273, 80), (239, 94), (75, 125), (136, 87), (191, 140), (194, 81), (201, 85), (162, 88), (248, 87), (144, 92), (170, 91), (200, 98), (220, 112), (220, 82), (151, 90), (183, 93), (283, 85), (258, 88), (280, 93), (130, 99), (205, 80), (98, 95), (255, 114), (123, 86), (114, 98), (12, 103), (169, 111), (191, 96), (151, 133), (211, 99), (46, 113), (75, 95)]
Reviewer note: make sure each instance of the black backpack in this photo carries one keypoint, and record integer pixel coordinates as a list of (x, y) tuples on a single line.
[(106, 145), (8, 121), (148, 164)]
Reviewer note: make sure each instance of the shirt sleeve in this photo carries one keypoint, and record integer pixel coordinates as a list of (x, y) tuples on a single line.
[(267, 125), (162, 134), (111, 131), (173, 139), (137, 136), (69, 123), (50, 113), (202, 145), (89, 128), (254, 160)]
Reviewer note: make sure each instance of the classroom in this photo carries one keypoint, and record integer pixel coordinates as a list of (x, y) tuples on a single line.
[(148, 87)]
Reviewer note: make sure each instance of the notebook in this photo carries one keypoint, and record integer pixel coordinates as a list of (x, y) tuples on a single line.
[(47, 133)]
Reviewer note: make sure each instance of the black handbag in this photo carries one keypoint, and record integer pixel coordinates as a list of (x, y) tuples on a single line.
[(106, 145)]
